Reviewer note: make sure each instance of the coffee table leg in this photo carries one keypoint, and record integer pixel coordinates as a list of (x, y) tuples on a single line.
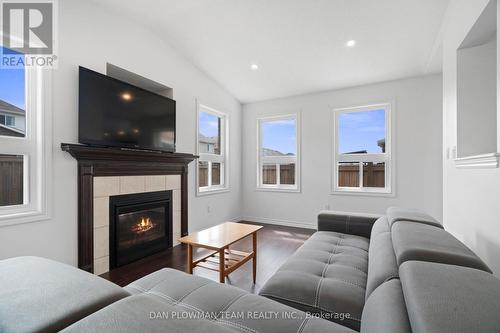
[(254, 236), (190, 259), (222, 266)]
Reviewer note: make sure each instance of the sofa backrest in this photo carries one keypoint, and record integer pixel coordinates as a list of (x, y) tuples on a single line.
[(41, 295), (385, 310), (382, 264), (422, 242), (422, 279)]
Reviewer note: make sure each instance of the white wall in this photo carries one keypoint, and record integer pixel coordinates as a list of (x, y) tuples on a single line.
[(471, 207), (477, 99), (418, 136), (90, 36)]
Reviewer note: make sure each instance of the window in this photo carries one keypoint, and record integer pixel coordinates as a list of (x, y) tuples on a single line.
[(24, 143), (212, 175), (278, 153), (7, 120), (362, 150)]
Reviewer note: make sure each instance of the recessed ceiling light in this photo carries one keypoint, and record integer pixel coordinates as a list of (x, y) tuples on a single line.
[(351, 43), (254, 67)]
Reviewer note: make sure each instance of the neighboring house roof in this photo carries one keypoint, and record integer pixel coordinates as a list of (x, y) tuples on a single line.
[(357, 152), (272, 152), (9, 131), (9, 108), (206, 139)]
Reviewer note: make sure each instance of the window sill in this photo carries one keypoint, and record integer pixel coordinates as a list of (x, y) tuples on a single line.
[(278, 189), (212, 191), (484, 161), (28, 216), (355, 192)]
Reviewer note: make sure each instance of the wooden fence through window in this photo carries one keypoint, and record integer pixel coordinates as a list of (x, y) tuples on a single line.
[(11, 180)]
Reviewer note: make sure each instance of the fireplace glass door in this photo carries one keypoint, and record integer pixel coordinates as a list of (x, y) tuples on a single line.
[(141, 225)]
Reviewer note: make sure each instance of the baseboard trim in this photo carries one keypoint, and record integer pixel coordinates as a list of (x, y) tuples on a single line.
[(236, 219), (287, 223)]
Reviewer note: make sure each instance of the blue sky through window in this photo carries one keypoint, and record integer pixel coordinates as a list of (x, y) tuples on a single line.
[(12, 83), (209, 124), (279, 135), (360, 131)]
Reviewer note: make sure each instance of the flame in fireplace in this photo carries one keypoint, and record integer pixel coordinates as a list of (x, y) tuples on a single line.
[(144, 225)]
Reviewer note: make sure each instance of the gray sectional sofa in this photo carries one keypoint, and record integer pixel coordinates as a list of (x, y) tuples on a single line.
[(358, 265), (397, 273)]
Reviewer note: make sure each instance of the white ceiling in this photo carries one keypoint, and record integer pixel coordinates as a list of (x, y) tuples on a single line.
[(299, 45)]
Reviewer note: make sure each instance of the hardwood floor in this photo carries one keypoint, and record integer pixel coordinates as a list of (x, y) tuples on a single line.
[(275, 245)]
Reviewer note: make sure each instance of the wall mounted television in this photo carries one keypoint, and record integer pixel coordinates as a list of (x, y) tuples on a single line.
[(113, 113)]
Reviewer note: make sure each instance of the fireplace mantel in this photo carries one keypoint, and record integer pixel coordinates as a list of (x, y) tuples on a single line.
[(99, 162)]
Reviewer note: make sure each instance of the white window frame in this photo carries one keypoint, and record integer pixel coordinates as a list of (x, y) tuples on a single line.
[(278, 160), (36, 148), (387, 157), (223, 158)]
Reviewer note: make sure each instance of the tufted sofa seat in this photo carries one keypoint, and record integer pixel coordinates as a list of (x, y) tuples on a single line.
[(326, 276), (171, 301)]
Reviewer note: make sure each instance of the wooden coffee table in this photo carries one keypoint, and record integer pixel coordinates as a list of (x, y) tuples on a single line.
[(218, 239)]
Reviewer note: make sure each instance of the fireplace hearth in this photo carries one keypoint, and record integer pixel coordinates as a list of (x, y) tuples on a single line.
[(140, 225)]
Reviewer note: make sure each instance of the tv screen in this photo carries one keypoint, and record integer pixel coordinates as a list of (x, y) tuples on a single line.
[(113, 113)]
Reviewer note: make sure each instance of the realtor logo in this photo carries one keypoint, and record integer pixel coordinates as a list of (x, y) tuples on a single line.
[(28, 27), (28, 33)]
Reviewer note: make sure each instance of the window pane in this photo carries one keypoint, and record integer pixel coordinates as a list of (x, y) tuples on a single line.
[(373, 174), (12, 99), (361, 132), (216, 173), (210, 133), (11, 180), (202, 173), (287, 174), (269, 174), (278, 138), (348, 174)]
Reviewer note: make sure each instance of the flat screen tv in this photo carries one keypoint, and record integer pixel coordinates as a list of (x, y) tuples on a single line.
[(113, 113)]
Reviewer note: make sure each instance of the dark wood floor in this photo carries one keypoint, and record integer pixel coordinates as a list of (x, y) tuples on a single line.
[(274, 245)]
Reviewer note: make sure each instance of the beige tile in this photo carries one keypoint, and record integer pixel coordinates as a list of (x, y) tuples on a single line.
[(175, 237), (176, 223), (155, 183), (101, 242), (101, 212), (106, 186), (173, 182), (101, 265), (132, 184), (177, 200)]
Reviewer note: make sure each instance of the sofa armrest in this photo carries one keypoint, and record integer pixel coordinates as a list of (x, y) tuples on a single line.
[(358, 224)]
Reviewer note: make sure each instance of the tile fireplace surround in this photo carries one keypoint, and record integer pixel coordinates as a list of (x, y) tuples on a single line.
[(105, 187)]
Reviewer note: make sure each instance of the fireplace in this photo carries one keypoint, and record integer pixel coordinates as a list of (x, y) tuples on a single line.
[(140, 225)]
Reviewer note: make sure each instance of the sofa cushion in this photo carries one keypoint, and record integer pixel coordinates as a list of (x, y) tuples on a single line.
[(172, 301), (448, 298), (359, 224), (382, 264), (396, 214), (380, 226), (385, 310), (327, 275), (415, 241), (41, 295)]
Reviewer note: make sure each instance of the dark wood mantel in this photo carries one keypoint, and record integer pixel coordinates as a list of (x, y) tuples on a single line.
[(99, 162)]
